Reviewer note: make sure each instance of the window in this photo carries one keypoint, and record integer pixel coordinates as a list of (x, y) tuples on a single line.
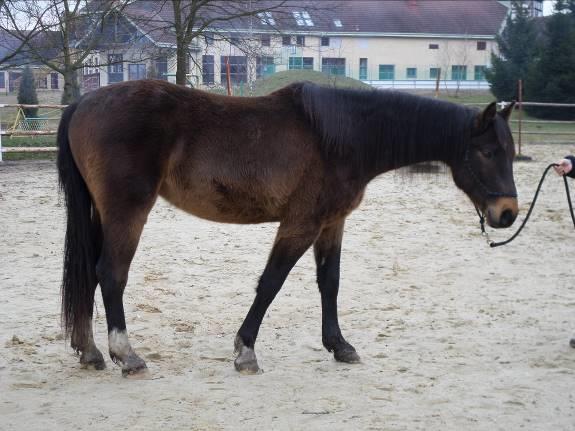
[(481, 45), (238, 69), (434, 72), (14, 80), (286, 40), (337, 23), (208, 69), (42, 82), (333, 66), (433, 46), (209, 39), (2, 80), (459, 73), (265, 66), (266, 40), (325, 41), (54, 82), (411, 73), (162, 68), (479, 73), (363, 68), (386, 71), (90, 66), (136, 71), (115, 68), (300, 40), (302, 19), (266, 18), (234, 40), (300, 63)]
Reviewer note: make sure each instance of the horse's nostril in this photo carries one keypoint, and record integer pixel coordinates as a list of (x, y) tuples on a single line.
[(506, 218)]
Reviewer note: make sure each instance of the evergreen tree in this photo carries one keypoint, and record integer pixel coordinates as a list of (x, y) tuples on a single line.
[(552, 77), (27, 92), (517, 50)]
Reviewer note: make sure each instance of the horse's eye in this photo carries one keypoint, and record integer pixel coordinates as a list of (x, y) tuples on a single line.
[(487, 154)]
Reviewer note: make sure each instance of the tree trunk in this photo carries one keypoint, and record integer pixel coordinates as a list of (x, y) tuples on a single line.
[(182, 63), (71, 87)]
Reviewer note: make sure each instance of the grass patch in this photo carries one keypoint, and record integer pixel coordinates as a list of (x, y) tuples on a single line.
[(28, 156), (269, 84), (29, 141), (279, 80)]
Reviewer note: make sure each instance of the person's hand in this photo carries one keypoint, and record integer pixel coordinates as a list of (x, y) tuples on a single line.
[(563, 167)]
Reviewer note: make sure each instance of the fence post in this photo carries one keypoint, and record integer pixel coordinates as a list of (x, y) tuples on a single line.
[(1, 106), (520, 97), (228, 77)]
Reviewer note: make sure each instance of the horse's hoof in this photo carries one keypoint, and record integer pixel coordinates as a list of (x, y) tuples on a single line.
[(347, 355), (92, 359), (247, 366), (246, 361), (572, 342), (138, 374), (134, 367)]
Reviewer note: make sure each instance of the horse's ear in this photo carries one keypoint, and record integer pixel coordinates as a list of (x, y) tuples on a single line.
[(485, 118), (506, 112)]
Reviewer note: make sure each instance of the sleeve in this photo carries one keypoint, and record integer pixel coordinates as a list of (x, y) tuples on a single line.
[(571, 174)]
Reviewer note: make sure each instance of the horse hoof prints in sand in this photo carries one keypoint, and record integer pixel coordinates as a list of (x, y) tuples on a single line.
[(301, 156)]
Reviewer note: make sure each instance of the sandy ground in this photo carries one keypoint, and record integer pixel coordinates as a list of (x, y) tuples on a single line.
[(453, 335)]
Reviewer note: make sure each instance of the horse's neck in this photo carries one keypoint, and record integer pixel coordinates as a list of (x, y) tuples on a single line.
[(415, 148)]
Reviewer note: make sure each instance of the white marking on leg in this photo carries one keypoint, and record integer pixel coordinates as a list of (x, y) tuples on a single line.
[(119, 343)]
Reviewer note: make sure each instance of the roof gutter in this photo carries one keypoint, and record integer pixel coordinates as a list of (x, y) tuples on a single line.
[(360, 34)]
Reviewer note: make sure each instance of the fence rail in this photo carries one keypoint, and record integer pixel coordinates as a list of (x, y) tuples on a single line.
[(29, 149), (19, 105)]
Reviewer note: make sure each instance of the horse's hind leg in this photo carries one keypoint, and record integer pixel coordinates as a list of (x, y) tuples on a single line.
[(289, 246), (90, 356), (327, 250), (121, 235), (83, 340)]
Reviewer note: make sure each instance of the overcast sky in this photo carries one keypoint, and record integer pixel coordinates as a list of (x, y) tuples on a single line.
[(548, 7)]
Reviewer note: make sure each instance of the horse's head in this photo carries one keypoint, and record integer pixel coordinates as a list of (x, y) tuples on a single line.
[(485, 173)]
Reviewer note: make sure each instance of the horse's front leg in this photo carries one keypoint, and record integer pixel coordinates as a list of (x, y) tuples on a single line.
[(327, 249), (290, 244)]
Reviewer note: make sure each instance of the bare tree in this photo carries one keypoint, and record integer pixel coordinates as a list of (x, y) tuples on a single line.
[(59, 34), (12, 47), (191, 19), (455, 54)]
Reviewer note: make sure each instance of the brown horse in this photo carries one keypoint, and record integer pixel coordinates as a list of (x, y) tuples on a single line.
[(301, 156)]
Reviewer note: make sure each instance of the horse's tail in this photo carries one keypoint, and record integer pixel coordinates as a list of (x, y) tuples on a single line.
[(82, 243)]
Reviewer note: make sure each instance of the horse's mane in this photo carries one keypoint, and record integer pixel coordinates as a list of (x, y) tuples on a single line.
[(374, 126)]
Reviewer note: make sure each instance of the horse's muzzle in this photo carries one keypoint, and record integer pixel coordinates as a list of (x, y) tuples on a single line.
[(502, 212)]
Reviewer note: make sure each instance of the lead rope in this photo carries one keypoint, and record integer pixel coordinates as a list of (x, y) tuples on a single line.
[(497, 244)]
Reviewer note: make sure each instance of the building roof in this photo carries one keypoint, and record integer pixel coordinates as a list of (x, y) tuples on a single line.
[(43, 43), (448, 18), (441, 17)]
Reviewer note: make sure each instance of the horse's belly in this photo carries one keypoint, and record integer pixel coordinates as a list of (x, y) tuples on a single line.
[(220, 203)]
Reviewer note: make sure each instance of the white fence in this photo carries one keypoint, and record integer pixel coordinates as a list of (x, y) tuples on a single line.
[(429, 84)]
